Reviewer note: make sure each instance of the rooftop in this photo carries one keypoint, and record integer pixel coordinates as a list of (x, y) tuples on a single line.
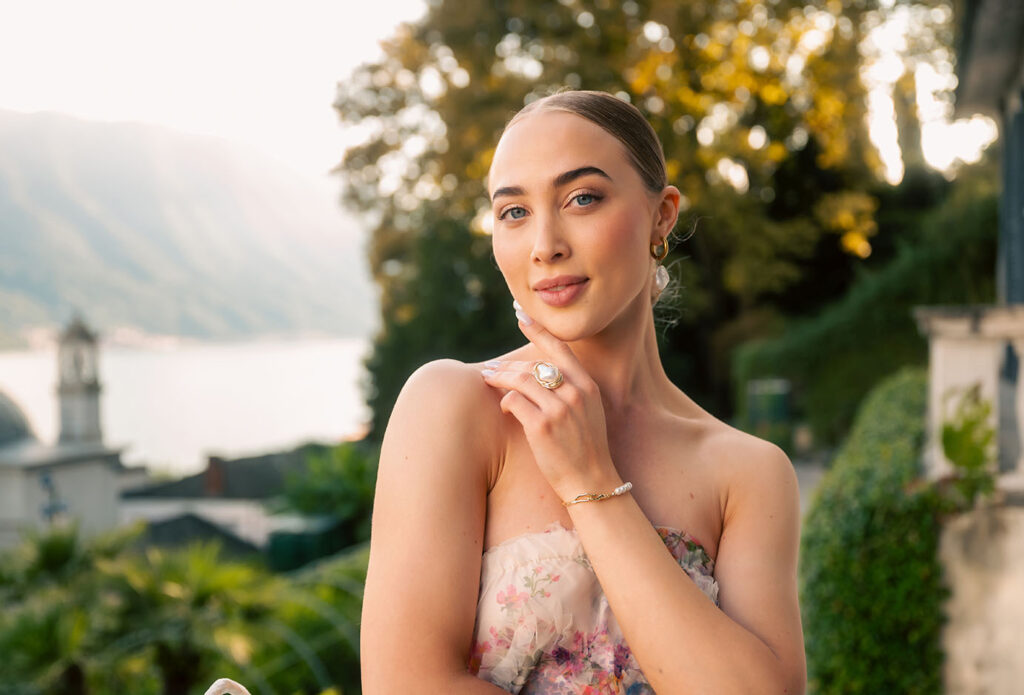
[(989, 53), (250, 478)]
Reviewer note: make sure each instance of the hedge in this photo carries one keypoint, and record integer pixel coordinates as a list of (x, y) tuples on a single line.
[(834, 358), (871, 587)]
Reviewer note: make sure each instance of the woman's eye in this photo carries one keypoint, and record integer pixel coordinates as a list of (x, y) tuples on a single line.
[(516, 213), (584, 199)]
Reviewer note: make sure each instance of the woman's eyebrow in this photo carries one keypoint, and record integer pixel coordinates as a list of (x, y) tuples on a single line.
[(508, 191), (559, 181), (568, 176)]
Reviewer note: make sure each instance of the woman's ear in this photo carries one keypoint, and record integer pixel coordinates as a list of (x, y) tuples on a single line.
[(667, 212)]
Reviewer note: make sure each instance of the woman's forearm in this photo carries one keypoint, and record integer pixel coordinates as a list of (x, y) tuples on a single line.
[(681, 640)]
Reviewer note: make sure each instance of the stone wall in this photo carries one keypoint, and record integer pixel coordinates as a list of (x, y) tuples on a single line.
[(982, 553)]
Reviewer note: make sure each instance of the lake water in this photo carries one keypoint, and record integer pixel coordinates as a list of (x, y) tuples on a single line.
[(172, 407)]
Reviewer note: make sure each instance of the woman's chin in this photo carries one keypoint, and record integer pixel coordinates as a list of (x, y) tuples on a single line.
[(568, 329), (572, 326)]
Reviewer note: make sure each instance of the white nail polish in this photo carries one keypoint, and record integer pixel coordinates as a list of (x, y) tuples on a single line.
[(516, 305), (523, 317)]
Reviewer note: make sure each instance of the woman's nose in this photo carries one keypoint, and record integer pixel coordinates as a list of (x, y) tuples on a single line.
[(549, 243)]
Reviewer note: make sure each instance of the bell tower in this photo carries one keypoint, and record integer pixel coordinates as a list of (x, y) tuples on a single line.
[(78, 388)]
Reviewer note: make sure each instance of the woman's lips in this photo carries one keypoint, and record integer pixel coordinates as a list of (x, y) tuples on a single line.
[(556, 296)]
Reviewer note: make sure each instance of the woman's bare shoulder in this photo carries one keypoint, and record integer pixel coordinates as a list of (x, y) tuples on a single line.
[(736, 446), (448, 385), (447, 403), (748, 465)]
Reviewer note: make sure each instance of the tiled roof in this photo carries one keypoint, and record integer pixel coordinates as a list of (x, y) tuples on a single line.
[(188, 528), (250, 478), (32, 453)]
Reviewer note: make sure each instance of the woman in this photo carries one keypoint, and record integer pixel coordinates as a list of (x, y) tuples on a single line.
[(524, 506)]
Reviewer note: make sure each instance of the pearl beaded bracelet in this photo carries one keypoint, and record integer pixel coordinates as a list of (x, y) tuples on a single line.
[(595, 496)]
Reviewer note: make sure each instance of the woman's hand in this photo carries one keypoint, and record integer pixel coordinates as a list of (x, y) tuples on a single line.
[(565, 426)]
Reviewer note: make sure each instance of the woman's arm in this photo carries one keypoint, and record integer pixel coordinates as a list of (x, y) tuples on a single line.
[(683, 643), (423, 579)]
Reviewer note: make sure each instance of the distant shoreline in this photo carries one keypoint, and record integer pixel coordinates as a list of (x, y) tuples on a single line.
[(170, 407), (45, 338)]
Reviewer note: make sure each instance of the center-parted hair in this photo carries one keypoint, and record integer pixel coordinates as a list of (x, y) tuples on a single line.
[(619, 118)]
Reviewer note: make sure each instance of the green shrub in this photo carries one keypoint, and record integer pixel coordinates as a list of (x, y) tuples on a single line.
[(968, 442), (871, 588), (337, 482), (102, 616)]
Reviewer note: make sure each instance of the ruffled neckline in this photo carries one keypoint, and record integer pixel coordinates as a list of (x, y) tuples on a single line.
[(669, 535)]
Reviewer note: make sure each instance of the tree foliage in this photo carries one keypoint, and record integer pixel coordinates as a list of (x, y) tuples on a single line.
[(836, 357), (338, 482), (968, 441), (449, 306), (760, 108), (104, 616)]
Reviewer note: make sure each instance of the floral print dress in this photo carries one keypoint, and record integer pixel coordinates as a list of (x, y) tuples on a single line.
[(543, 623)]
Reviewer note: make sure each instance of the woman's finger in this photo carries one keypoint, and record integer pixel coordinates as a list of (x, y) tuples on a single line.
[(522, 409), (509, 365), (557, 351), (519, 377)]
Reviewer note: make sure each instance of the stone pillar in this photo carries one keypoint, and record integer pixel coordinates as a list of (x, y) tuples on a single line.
[(976, 345), (982, 564)]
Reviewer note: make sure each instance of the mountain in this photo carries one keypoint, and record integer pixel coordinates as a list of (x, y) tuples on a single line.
[(144, 227)]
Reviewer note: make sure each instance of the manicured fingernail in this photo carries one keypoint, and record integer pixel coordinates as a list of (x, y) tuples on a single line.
[(492, 363), (488, 372), (523, 317), (516, 305)]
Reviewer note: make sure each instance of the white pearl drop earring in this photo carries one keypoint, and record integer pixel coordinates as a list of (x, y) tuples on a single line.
[(661, 278)]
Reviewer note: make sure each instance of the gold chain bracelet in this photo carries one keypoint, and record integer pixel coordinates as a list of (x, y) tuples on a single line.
[(596, 496)]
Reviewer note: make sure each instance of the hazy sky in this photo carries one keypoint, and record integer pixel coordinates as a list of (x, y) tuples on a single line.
[(264, 71), (259, 71)]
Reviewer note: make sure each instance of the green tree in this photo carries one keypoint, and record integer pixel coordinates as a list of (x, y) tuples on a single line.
[(53, 611), (448, 306), (834, 358), (188, 611), (761, 110), (340, 482)]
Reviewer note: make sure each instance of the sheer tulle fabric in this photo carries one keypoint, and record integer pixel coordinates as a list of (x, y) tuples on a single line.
[(544, 626)]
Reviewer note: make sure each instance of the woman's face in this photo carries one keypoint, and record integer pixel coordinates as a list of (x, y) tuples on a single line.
[(570, 209)]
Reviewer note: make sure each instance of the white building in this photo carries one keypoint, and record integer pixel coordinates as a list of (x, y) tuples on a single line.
[(78, 478)]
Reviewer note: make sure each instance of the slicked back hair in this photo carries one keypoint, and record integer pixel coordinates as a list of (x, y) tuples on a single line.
[(619, 118)]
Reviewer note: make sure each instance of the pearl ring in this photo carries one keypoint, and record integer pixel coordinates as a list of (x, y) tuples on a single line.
[(547, 375)]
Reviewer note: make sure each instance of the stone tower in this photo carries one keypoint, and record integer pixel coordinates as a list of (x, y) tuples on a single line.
[(78, 388)]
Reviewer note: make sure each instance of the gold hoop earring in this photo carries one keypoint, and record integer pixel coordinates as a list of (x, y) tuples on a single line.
[(660, 255)]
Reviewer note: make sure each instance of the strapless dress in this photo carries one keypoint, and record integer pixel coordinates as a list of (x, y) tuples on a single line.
[(543, 623)]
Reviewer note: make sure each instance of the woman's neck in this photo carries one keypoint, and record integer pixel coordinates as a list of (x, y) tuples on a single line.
[(624, 361)]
